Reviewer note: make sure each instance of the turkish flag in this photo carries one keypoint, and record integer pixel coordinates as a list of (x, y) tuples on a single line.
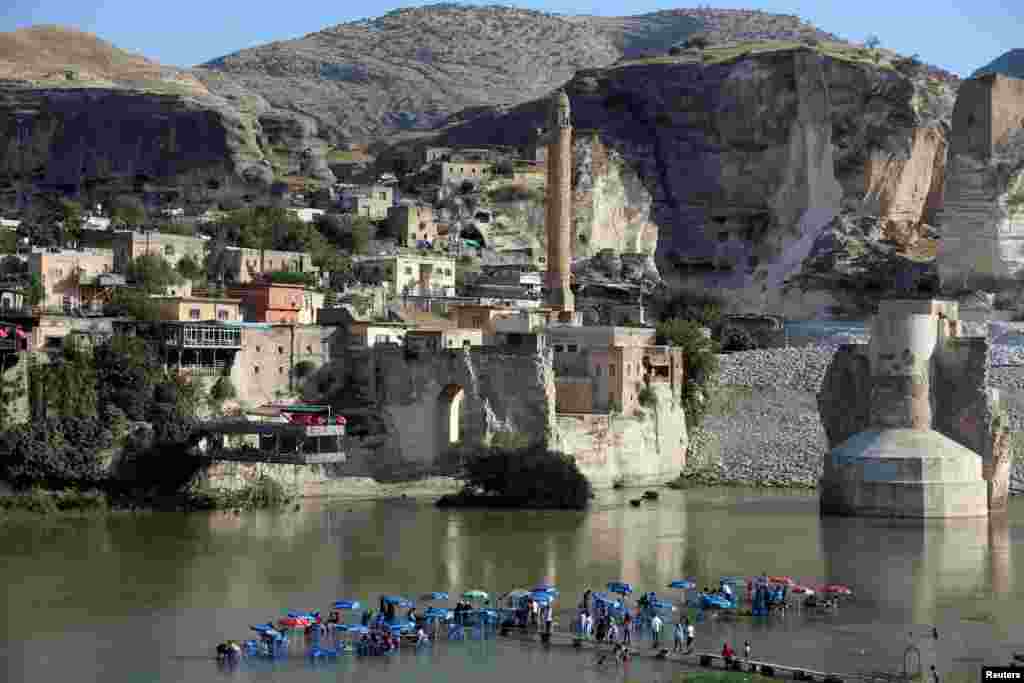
[(3, 333), (21, 333)]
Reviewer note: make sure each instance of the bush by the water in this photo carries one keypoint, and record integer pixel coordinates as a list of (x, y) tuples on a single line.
[(264, 493), (530, 476), (54, 452), (48, 502)]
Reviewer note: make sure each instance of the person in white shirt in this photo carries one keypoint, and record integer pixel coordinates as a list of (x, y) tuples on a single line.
[(613, 633), (656, 629), (690, 632), (421, 636)]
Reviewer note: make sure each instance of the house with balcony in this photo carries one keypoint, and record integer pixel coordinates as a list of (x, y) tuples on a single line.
[(267, 302), (409, 275), (199, 308), (62, 273)]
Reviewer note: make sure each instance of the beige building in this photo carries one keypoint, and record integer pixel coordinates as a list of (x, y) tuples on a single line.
[(455, 172), (371, 201), (413, 223), (366, 334), (63, 272), (276, 360), (410, 275), (129, 245), (601, 369), (441, 339), (243, 266), (195, 308), (497, 321)]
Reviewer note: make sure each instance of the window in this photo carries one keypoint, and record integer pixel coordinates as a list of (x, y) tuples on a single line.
[(255, 369), (257, 349), (448, 271), (597, 371), (611, 370), (572, 348), (383, 195), (559, 348), (380, 339), (280, 349), (280, 371), (309, 348), (194, 314), (60, 272), (169, 250), (222, 315)]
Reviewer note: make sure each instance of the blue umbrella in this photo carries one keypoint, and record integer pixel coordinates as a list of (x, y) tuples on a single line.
[(436, 595), (683, 584), (620, 587), (604, 597), (437, 613), (544, 587), (397, 600), (346, 604), (542, 597), (357, 629)]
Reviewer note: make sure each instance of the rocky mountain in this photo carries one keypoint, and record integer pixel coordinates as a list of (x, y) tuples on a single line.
[(741, 156), (78, 114), (1009, 64), (412, 68)]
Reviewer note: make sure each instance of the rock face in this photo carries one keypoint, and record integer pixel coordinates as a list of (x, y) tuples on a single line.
[(982, 220), (747, 160), (95, 139)]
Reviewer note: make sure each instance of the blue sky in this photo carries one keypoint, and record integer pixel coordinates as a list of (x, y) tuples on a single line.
[(954, 34)]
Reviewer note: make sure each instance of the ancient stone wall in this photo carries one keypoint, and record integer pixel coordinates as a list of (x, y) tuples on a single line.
[(265, 366), (645, 448)]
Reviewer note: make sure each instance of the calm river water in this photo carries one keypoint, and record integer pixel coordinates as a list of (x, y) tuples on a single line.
[(147, 597)]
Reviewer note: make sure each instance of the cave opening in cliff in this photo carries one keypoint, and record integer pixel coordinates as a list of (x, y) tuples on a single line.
[(449, 404)]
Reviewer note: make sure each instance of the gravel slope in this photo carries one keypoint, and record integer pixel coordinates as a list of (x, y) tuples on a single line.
[(771, 432)]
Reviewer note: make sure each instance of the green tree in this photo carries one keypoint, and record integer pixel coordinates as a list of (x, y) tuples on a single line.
[(528, 476), (69, 214), (127, 212), (701, 361), (133, 303), (66, 387), (189, 268), (361, 237), (55, 452), (127, 371), (8, 242), (152, 273), (35, 293)]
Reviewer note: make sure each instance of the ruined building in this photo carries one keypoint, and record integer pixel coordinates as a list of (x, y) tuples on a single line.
[(914, 429)]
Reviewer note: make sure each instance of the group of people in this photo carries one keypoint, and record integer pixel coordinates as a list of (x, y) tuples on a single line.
[(603, 625)]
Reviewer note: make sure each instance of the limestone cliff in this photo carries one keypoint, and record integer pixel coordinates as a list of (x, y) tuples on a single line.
[(744, 158), (982, 221)]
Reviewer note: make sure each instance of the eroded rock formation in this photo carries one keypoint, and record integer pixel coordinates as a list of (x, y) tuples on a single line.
[(982, 219), (745, 161)]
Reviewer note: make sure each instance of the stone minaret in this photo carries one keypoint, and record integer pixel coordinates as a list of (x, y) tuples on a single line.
[(559, 205)]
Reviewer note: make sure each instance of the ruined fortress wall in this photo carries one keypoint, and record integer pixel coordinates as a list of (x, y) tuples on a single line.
[(646, 448), (987, 111)]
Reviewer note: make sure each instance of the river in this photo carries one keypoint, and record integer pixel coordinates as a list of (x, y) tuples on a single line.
[(147, 597)]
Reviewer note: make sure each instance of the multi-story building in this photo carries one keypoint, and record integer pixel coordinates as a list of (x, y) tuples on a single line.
[(455, 172), (62, 273), (372, 201), (241, 266), (199, 308), (598, 369), (265, 302), (129, 245), (444, 338), (413, 224), (410, 275)]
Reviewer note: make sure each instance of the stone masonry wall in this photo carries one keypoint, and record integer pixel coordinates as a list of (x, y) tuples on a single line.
[(646, 448)]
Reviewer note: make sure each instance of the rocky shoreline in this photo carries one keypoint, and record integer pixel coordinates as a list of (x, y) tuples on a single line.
[(765, 430)]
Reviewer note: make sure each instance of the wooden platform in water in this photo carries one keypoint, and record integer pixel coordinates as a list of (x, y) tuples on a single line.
[(694, 660)]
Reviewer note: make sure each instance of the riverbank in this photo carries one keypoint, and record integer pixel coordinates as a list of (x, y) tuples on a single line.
[(764, 429)]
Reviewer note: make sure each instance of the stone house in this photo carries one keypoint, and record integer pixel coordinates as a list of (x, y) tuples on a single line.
[(275, 360), (197, 308), (129, 245), (441, 339), (62, 273), (264, 302), (242, 266), (603, 369), (413, 224), (371, 201), (410, 275), (457, 172)]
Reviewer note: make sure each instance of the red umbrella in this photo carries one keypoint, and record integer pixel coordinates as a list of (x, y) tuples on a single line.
[(835, 589), (786, 580), (800, 590)]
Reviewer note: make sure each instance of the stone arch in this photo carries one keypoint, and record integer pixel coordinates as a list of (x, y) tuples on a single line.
[(450, 414)]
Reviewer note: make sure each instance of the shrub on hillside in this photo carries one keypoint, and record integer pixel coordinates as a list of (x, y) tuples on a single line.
[(698, 41), (701, 365), (54, 452)]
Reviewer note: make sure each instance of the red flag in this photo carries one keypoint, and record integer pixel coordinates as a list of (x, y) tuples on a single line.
[(3, 333), (21, 333)]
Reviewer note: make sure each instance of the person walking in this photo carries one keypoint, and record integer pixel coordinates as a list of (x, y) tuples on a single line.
[(627, 628), (613, 632), (656, 629), (933, 675), (746, 650), (679, 634), (690, 633), (549, 618)]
